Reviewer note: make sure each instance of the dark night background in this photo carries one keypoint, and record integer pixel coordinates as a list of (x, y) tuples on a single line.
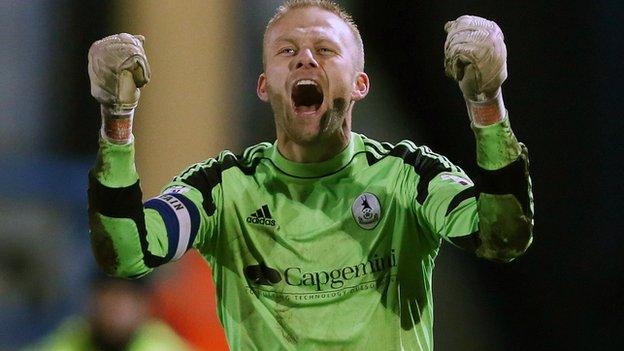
[(564, 98), (563, 94)]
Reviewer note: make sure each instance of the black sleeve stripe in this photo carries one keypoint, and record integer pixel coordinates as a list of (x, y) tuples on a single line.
[(430, 169), (115, 202), (381, 148), (204, 179), (374, 153), (426, 166), (461, 196), (371, 159), (123, 202), (511, 179), (468, 242)]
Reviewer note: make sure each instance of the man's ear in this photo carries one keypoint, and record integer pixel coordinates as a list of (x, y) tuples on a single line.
[(360, 87), (261, 88)]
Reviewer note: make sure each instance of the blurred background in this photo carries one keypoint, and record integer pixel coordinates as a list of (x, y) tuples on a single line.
[(565, 103)]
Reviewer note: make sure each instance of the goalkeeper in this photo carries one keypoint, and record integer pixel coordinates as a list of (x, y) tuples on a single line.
[(323, 239)]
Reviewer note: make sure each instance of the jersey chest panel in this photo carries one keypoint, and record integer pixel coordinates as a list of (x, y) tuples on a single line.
[(307, 236), (294, 252)]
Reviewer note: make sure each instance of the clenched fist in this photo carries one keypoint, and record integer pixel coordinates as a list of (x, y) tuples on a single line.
[(117, 68), (475, 56)]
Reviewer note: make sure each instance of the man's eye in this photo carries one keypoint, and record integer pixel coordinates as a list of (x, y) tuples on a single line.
[(326, 51), (287, 51)]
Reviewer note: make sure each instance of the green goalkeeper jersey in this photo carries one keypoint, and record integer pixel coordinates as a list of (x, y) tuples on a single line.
[(336, 255)]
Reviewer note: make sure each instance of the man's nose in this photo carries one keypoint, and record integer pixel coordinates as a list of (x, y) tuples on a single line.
[(306, 59)]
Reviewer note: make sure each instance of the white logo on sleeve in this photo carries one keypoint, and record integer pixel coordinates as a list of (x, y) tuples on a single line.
[(176, 189), (366, 210), (457, 179)]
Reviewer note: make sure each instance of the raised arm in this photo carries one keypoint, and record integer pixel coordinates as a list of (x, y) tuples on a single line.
[(475, 56), (130, 238)]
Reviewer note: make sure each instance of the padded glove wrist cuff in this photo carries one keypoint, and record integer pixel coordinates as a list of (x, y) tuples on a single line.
[(487, 111), (117, 124)]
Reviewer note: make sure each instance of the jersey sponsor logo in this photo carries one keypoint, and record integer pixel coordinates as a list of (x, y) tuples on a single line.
[(322, 280), (366, 210), (336, 278), (176, 189), (456, 179), (262, 216), (261, 274)]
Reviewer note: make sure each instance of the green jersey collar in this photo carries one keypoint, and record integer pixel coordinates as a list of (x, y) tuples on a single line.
[(318, 169)]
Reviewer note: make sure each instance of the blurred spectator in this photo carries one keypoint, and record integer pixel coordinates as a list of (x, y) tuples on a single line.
[(117, 319)]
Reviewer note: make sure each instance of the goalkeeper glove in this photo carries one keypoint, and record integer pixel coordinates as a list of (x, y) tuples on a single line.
[(118, 67), (475, 56)]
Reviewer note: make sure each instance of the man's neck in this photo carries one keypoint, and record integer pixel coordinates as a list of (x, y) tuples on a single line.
[(319, 151)]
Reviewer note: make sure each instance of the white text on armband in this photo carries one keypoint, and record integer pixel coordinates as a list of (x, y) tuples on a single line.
[(181, 219)]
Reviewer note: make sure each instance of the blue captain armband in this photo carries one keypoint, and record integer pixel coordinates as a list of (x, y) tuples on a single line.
[(181, 218)]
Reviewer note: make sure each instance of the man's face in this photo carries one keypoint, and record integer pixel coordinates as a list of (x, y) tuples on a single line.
[(310, 77)]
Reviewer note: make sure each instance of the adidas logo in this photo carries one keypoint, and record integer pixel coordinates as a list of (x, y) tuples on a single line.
[(262, 216)]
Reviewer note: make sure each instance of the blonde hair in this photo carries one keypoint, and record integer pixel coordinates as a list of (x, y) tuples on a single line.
[(325, 5)]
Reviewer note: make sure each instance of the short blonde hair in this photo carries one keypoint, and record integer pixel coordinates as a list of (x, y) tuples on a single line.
[(325, 5)]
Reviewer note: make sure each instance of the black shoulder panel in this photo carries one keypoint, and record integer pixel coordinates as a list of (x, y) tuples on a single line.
[(205, 178), (426, 164)]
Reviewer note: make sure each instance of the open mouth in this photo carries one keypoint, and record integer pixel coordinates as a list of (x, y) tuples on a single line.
[(307, 97)]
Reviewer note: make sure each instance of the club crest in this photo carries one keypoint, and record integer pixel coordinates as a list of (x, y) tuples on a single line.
[(366, 210)]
